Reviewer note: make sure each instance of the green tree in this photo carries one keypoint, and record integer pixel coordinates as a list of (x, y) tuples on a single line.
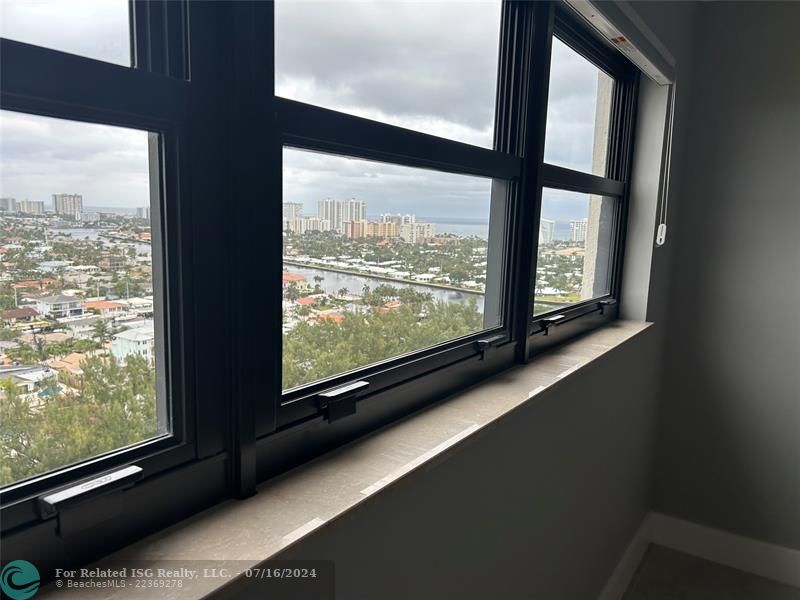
[(100, 332), (292, 291), (312, 351), (115, 408)]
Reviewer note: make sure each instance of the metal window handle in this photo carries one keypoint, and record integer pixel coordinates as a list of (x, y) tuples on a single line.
[(121, 479), (549, 322), (340, 402), (485, 344), (606, 304)]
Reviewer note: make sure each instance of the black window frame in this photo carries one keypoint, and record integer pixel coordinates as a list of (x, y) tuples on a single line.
[(544, 330), (154, 94), (517, 157), (240, 428)]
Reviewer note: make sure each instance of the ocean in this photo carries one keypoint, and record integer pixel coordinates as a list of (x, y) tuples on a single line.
[(474, 227)]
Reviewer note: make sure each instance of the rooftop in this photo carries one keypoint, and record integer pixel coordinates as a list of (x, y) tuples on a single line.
[(289, 277), (137, 334), (57, 299), (18, 313), (102, 304)]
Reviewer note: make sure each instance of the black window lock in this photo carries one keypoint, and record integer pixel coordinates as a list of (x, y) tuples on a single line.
[(549, 322), (340, 402), (606, 304), (485, 344)]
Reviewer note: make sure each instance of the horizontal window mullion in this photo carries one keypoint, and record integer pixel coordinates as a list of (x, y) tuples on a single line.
[(302, 403), (306, 126), (148, 506), (562, 178), (83, 84), (576, 322), (290, 446), (571, 311), (153, 456)]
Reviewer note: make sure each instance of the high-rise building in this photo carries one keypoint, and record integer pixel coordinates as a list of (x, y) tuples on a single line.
[(417, 233), (291, 211), (331, 211), (305, 224), (577, 230), (356, 229), (68, 205), (398, 219), (8, 205), (547, 229), (354, 210), (382, 229), (339, 212), (143, 212), (30, 207)]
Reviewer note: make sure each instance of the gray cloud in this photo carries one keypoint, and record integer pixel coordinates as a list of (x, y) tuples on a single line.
[(428, 66), (312, 176), (42, 156), (571, 109), (94, 28)]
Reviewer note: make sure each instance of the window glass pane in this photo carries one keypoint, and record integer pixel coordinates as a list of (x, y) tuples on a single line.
[(427, 66), (382, 260), (575, 238), (93, 28), (80, 337), (578, 112)]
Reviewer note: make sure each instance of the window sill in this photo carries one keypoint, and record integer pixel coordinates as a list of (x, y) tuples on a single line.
[(292, 506)]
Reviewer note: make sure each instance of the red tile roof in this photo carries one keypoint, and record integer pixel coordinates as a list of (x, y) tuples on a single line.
[(101, 304), (289, 277)]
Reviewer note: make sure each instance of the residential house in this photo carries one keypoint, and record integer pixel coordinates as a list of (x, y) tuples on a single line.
[(140, 341), (25, 314), (59, 306), (104, 308)]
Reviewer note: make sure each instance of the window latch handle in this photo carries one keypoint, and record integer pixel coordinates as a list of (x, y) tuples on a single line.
[(549, 322), (340, 402), (606, 304), (484, 344), (51, 504)]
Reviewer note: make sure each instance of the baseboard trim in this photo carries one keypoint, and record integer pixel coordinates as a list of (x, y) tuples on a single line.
[(746, 554), (621, 578)]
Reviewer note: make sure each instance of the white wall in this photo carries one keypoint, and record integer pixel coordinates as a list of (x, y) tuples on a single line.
[(729, 450)]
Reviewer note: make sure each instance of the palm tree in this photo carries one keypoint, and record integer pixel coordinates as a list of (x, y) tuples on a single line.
[(100, 332), (292, 292)]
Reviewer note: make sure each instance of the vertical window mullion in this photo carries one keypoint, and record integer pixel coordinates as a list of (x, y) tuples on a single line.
[(256, 256), (623, 111), (532, 43), (158, 36), (205, 151)]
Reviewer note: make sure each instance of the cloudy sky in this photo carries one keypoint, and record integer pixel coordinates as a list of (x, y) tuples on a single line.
[(429, 66)]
